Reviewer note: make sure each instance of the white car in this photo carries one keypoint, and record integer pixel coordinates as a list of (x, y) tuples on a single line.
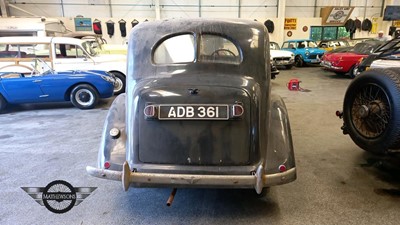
[(281, 57), (61, 53)]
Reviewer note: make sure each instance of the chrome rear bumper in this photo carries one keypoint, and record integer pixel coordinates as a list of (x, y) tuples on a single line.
[(257, 181)]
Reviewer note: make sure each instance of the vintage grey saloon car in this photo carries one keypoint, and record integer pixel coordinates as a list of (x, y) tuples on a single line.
[(198, 110)]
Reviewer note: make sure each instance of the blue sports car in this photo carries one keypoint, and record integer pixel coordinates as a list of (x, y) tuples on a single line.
[(82, 88)]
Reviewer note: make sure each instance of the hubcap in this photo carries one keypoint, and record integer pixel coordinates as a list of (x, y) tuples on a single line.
[(355, 71), (84, 97), (118, 85)]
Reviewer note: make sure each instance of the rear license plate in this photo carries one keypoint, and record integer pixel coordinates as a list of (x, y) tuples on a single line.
[(193, 112)]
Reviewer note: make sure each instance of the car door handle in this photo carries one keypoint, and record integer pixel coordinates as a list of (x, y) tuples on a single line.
[(37, 81)]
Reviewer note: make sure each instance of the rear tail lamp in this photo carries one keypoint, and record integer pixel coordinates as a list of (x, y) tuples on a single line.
[(150, 111), (282, 168), (237, 110), (107, 164)]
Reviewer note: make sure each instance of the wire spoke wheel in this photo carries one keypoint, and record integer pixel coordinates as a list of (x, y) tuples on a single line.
[(371, 111)]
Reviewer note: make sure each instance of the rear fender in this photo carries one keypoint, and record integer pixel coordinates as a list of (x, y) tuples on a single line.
[(280, 145), (113, 140)]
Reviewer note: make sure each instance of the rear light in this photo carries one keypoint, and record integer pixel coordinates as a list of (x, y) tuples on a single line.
[(237, 110), (282, 168), (107, 164), (150, 111)]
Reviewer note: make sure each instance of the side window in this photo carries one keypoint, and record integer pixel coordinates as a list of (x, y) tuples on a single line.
[(25, 51), (38, 51), (177, 49), (215, 48), (69, 51)]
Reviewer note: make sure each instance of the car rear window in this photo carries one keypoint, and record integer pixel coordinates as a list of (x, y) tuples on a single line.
[(182, 49), (217, 49), (177, 49)]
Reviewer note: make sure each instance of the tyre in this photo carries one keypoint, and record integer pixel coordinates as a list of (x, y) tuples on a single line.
[(288, 67), (371, 110), (120, 83), (3, 103), (84, 96), (353, 71), (298, 60)]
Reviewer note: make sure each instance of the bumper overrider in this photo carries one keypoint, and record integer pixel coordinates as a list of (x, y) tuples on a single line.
[(257, 181)]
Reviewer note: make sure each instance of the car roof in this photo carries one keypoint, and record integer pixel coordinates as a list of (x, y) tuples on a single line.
[(249, 35)]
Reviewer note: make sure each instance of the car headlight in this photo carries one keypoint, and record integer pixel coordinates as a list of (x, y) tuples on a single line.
[(108, 79), (307, 53)]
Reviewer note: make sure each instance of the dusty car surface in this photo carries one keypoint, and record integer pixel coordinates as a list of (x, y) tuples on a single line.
[(198, 110)]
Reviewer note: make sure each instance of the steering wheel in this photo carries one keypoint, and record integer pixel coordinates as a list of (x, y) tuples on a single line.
[(223, 51)]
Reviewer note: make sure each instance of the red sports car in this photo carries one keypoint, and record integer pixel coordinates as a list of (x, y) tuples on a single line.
[(342, 62)]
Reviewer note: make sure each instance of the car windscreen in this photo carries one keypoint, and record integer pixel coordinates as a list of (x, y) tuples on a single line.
[(307, 44), (274, 46), (365, 48), (87, 45)]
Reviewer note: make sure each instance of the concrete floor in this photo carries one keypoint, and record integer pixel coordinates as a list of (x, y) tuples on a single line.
[(338, 183)]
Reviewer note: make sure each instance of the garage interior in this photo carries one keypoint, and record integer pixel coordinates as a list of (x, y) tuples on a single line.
[(337, 182)]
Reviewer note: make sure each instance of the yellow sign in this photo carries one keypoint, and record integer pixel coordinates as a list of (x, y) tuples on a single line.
[(290, 23), (396, 23)]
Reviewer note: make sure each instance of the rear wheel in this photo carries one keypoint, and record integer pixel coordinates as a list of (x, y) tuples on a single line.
[(84, 96), (120, 81), (298, 61), (371, 110), (3, 103)]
